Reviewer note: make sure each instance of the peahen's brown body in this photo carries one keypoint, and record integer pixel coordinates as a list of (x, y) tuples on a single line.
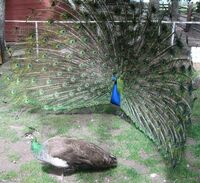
[(76, 60), (78, 154)]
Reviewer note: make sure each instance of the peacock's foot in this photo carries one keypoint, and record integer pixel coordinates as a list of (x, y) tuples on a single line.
[(69, 171)]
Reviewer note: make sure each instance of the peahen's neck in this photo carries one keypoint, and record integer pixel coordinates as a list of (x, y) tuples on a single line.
[(36, 147)]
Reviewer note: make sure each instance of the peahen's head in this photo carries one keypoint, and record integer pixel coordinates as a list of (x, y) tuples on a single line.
[(36, 147)]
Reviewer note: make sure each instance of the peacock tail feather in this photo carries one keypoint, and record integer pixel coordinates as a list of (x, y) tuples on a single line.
[(76, 62)]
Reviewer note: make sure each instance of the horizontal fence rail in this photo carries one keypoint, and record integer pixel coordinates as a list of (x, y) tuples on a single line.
[(36, 25)]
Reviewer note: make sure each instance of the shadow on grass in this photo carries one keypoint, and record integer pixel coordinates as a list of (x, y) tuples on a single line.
[(58, 171)]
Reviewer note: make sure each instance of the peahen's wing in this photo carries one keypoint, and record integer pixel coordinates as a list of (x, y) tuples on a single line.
[(75, 63)]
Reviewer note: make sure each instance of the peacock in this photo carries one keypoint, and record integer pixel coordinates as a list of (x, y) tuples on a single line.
[(72, 154), (100, 54)]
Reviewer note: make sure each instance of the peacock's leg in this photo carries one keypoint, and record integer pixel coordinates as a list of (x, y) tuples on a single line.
[(63, 170)]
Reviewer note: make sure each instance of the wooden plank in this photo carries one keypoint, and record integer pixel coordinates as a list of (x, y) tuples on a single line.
[(1, 57)]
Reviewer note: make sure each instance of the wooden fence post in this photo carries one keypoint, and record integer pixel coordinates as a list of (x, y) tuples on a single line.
[(189, 16), (1, 54)]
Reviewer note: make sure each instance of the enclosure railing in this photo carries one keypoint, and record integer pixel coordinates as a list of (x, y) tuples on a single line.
[(36, 25)]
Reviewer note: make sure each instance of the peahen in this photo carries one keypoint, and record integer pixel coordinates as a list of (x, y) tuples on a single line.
[(116, 54), (72, 154)]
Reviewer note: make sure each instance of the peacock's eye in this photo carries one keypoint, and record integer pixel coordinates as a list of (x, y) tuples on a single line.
[(41, 92), (69, 68), (82, 52), (69, 56), (86, 98), (87, 85), (49, 81), (33, 80), (59, 73), (79, 89), (71, 94), (18, 80), (13, 92), (62, 32), (46, 107), (44, 55), (56, 94), (9, 78), (44, 69), (17, 65), (94, 52), (64, 84), (58, 45), (84, 39), (73, 79), (30, 66), (26, 101), (72, 41), (83, 75)]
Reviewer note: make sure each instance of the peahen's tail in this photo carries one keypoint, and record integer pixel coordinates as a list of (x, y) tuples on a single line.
[(77, 59)]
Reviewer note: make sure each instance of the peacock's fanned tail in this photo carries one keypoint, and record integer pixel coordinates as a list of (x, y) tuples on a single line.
[(76, 61)]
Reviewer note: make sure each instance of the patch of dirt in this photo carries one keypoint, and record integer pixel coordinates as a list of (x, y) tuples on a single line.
[(83, 119), (18, 129), (117, 132), (80, 132), (191, 141), (142, 169), (143, 154), (21, 148)]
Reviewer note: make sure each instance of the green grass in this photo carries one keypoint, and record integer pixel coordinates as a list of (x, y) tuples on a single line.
[(182, 174), (32, 173), (9, 175), (121, 138), (121, 174), (196, 150)]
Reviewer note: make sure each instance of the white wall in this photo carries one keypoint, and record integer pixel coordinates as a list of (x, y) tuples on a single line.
[(195, 53)]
